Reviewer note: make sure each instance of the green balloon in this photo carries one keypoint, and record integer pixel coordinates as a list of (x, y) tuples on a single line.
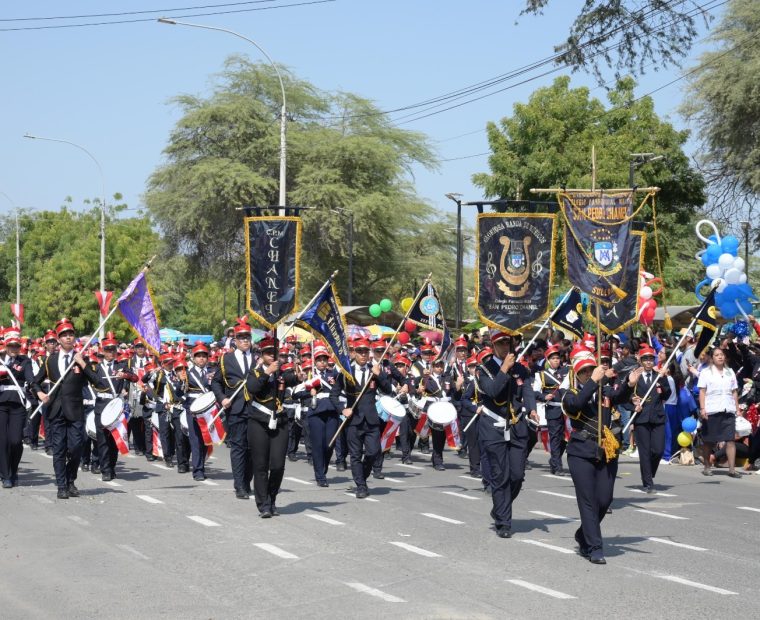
[(386, 305), (375, 310)]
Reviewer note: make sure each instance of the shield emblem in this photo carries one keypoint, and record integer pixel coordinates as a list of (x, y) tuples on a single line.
[(603, 253), (516, 260)]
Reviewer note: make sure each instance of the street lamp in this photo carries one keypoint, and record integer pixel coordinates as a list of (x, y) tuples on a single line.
[(745, 228), (457, 198), (350, 215), (102, 210), (639, 159), (283, 143), (18, 252)]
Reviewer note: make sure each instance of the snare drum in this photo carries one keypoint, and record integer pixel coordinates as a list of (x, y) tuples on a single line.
[(184, 423), (205, 403), (416, 407), (154, 420), (90, 426), (388, 407), (440, 415), (541, 411), (111, 414)]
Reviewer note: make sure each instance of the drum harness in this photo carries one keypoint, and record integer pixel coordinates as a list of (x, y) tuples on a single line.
[(16, 387), (499, 421)]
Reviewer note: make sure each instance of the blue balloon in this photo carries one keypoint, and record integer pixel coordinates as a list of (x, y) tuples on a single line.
[(689, 425), (699, 286), (730, 245), (713, 238), (741, 329), (746, 305), (728, 310)]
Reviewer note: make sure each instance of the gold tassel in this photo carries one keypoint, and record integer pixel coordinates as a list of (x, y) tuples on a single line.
[(668, 322), (610, 444), (619, 292)]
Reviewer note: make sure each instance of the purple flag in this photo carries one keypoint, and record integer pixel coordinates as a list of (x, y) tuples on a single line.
[(136, 306)]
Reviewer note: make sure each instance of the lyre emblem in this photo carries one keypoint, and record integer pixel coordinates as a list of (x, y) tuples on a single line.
[(514, 266)]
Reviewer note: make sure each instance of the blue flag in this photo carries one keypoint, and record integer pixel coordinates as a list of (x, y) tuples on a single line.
[(323, 319)]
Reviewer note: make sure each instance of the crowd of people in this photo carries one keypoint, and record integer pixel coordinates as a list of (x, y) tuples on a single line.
[(491, 397)]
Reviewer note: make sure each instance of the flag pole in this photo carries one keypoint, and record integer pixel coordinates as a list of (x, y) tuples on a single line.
[(388, 346), (103, 321)]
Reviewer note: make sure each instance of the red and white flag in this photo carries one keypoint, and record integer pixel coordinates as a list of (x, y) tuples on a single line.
[(452, 435), (213, 432), (18, 311), (389, 434), (120, 434), (158, 450), (104, 301), (422, 429)]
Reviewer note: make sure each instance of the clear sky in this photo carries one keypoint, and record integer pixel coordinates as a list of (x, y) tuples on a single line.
[(107, 87)]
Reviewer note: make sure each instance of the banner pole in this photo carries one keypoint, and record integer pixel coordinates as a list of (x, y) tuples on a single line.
[(545, 323)]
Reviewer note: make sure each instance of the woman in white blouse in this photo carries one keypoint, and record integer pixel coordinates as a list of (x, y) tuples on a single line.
[(718, 404)]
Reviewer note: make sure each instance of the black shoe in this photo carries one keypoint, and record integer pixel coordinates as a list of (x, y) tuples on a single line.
[(503, 532), (151, 457), (63, 494), (476, 474), (182, 469), (379, 475), (292, 457), (199, 478), (169, 462), (439, 468), (559, 472), (649, 490), (7, 484), (462, 454), (406, 461), (73, 491), (241, 494), (275, 512), (265, 514), (26, 441), (106, 477), (95, 469), (85, 467), (582, 546), (597, 559), (322, 483), (493, 514), (362, 493), (310, 461), (425, 451), (340, 467), (34, 447), (528, 466), (249, 490), (734, 474)]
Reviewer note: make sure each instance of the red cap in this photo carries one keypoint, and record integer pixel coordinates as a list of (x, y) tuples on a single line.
[(552, 350), (606, 351), (266, 343), (578, 348), (180, 362), (64, 325), (486, 352), (379, 345), (584, 360), (200, 348), (497, 336), (50, 335), (321, 352), (110, 341), (288, 366), (402, 359), (472, 360), (461, 343), (305, 365), (646, 351), (167, 357), (241, 326), (12, 335), (427, 348), (361, 343)]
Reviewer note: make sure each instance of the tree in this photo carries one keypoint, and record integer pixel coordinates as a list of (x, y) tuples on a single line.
[(343, 154), (626, 36), (724, 102)]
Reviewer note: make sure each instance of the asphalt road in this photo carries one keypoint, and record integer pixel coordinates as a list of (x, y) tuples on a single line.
[(154, 543)]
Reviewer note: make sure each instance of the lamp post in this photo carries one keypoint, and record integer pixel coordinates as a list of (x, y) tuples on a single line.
[(350, 215), (457, 198), (639, 159), (283, 119), (745, 228), (18, 251), (102, 210)]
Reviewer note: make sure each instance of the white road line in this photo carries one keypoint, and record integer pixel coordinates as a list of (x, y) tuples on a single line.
[(565, 495), (162, 466), (113, 483), (555, 476), (324, 519), (694, 584), (149, 499), (661, 514), (203, 521), (748, 508), (210, 483), (133, 551), (550, 515), (46, 455), (548, 546), (298, 480), (657, 493), (665, 541), (280, 553), (440, 518), (470, 478), (366, 499), (388, 598), (79, 520), (462, 495), (410, 466), (389, 479), (539, 589), (417, 550)]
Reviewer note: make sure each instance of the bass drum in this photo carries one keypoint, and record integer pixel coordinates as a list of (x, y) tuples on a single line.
[(440, 415), (416, 406), (89, 425), (111, 414)]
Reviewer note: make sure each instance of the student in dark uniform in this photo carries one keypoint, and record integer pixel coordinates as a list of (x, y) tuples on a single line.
[(65, 408), (32, 431), (592, 466), (437, 387), (404, 386), (160, 392), (363, 427), (549, 391), (178, 386), (465, 399), (458, 368), (297, 409), (198, 383)]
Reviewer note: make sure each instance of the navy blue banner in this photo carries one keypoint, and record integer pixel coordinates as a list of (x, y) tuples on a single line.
[(428, 313)]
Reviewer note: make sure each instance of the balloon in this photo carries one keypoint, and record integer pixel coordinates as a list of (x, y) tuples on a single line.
[(730, 244), (410, 326), (728, 310), (711, 255), (741, 329), (684, 439), (645, 292), (407, 302), (722, 284), (743, 278), (739, 263), (699, 286), (647, 316), (725, 261), (712, 271), (732, 275), (375, 310), (386, 305), (689, 425), (402, 337)]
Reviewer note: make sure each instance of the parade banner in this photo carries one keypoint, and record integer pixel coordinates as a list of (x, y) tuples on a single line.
[(706, 317), (569, 315), (428, 313), (17, 310), (597, 240), (514, 269), (273, 253), (624, 313), (136, 306)]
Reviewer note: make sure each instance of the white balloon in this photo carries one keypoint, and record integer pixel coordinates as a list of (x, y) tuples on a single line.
[(743, 278), (732, 275), (722, 284), (713, 271), (739, 263), (645, 292), (726, 261)]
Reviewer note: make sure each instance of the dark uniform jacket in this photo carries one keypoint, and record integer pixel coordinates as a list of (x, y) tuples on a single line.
[(21, 369), (365, 408), (66, 400), (227, 379), (266, 393), (653, 409)]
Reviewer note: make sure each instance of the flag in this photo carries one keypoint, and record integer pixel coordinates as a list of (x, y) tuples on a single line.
[(568, 315), (104, 301), (18, 311), (389, 434), (158, 450), (120, 433), (211, 427), (705, 317), (428, 313), (323, 319), (136, 306)]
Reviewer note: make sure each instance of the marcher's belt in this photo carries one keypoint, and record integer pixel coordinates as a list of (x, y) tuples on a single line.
[(262, 408), (322, 395), (8, 388), (106, 396), (498, 420)]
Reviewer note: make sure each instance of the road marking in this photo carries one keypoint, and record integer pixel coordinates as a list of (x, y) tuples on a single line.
[(656, 493), (112, 483), (280, 553), (79, 520), (548, 546), (462, 495), (210, 483), (366, 499), (662, 514), (324, 519), (388, 598), (417, 550), (163, 467), (694, 584), (410, 466), (748, 508), (664, 541), (539, 589), (298, 480), (389, 479), (550, 515), (440, 518), (565, 495), (203, 521), (470, 478), (46, 455), (133, 551), (149, 499), (555, 476)]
